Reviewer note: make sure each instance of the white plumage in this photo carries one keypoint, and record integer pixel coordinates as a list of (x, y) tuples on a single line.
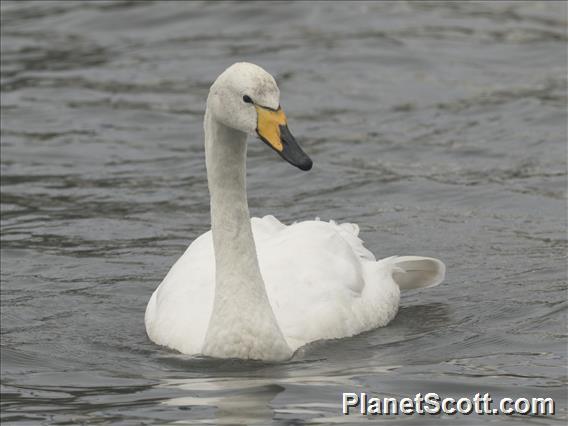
[(272, 288)]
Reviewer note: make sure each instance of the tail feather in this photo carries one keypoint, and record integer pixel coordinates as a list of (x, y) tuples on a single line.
[(411, 272)]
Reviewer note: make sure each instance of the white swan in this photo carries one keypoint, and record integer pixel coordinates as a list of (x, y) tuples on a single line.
[(258, 289)]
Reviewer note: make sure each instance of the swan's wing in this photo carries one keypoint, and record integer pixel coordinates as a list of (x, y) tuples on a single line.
[(350, 233), (269, 227), (266, 226), (178, 313), (316, 274)]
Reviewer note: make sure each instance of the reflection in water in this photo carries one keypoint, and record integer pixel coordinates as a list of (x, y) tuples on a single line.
[(243, 401)]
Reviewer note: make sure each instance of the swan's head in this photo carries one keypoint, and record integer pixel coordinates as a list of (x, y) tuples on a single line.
[(245, 97)]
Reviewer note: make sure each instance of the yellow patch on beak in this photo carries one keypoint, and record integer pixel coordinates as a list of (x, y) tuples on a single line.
[(268, 126)]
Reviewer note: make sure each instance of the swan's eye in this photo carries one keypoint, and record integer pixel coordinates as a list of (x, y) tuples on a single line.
[(247, 99)]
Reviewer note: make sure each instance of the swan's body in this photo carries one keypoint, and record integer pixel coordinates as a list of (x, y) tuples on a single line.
[(258, 289)]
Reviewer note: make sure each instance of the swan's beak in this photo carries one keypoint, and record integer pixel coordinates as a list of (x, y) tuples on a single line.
[(272, 128)]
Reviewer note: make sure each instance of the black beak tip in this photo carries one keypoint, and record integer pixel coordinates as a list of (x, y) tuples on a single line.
[(306, 164)]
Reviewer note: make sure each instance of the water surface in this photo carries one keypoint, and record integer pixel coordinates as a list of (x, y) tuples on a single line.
[(440, 128)]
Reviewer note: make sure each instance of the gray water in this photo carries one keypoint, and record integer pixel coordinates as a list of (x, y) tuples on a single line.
[(440, 128)]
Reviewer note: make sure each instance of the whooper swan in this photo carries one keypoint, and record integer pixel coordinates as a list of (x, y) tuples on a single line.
[(256, 288)]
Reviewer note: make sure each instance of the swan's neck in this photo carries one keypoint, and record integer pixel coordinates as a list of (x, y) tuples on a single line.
[(242, 323)]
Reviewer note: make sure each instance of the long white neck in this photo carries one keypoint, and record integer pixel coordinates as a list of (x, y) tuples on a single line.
[(242, 323)]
